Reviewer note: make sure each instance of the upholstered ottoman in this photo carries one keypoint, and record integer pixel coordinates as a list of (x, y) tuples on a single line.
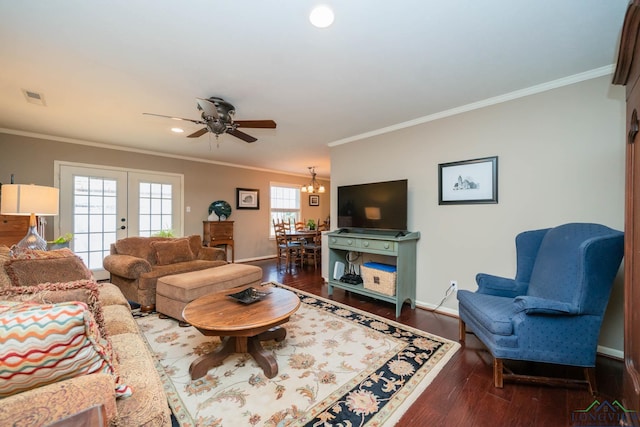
[(175, 291)]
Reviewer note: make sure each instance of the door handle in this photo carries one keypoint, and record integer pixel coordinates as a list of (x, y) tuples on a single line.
[(122, 227)]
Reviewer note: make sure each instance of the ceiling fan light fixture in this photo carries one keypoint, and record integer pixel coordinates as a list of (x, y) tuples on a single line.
[(321, 16)]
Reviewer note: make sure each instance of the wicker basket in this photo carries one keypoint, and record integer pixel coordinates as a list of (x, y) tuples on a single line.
[(379, 277)]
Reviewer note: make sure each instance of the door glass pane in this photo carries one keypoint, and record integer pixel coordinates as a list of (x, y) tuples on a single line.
[(94, 219), (155, 213)]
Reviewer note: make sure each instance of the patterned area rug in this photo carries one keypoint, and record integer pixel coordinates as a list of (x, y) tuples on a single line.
[(337, 366)]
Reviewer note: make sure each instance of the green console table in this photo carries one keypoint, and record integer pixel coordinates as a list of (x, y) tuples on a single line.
[(399, 248)]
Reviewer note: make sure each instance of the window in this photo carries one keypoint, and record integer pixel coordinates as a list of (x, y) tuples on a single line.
[(285, 204)]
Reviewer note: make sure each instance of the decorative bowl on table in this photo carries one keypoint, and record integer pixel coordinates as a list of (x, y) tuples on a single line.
[(249, 295)]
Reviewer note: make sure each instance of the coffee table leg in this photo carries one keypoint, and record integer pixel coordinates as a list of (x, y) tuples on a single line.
[(202, 364), (264, 358)]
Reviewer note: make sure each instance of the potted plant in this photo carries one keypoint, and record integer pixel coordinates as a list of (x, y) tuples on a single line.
[(311, 224), (60, 242), (164, 233)]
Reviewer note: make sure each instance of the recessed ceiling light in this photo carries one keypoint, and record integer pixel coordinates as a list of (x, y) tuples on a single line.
[(177, 130), (321, 16)]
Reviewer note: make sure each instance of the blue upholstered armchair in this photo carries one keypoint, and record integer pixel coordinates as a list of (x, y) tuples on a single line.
[(552, 311)]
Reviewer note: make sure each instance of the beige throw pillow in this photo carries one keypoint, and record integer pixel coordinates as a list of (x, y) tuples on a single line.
[(172, 251)]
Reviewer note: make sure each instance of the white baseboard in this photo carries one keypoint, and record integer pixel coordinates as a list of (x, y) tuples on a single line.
[(260, 258)]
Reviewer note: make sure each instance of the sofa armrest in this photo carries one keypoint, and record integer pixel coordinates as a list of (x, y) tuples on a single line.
[(536, 305), (499, 286), (50, 403), (126, 266), (212, 254)]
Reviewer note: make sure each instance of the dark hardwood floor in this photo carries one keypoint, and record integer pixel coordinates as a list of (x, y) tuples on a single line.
[(463, 393)]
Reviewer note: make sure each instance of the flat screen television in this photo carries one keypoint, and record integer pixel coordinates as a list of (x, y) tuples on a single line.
[(373, 206)]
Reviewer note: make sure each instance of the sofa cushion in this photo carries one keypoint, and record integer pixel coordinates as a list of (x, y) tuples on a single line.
[(172, 251), (81, 290), (148, 405), (118, 320), (46, 405), (139, 247), (46, 343), (19, 253), (110, 294), (31, 271)]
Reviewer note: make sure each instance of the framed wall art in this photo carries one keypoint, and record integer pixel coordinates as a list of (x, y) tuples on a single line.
[(314, 200), (247, 198), (468, 181)]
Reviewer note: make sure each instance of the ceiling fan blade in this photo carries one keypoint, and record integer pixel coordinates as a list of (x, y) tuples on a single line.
[(208, 107), (200, 122), (264, 124), (243, 136), (198, 133)]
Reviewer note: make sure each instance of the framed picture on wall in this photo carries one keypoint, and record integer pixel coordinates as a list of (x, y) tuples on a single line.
[(247, 198), (314, 200), (468, 181)]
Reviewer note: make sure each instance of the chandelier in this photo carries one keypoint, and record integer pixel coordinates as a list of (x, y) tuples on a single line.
[(314, 186)]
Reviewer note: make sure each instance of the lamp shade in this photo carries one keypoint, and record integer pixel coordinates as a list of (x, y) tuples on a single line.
[(21, 199)]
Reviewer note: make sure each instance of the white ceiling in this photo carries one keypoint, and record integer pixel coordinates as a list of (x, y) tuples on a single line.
[(101, 64)]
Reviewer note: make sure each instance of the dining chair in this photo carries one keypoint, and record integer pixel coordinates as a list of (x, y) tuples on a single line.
[(286, 249), (313, 249)]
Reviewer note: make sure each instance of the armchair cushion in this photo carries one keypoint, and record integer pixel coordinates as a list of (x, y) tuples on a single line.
[(49, 343), (494, 312), (535, 305), (499, 286), (172, 251)]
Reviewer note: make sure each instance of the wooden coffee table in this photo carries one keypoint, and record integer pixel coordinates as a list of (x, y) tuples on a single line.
[(243, 326)]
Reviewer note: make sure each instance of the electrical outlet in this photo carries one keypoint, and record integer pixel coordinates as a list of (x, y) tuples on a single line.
[(453, 284)]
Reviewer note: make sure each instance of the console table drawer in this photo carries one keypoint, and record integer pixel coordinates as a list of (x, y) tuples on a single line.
[(346, 242), (379, 245)]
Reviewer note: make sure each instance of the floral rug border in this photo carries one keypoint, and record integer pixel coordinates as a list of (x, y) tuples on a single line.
[(380, 397)]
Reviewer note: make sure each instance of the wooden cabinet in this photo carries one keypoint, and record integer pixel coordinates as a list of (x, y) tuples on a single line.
[(218, 233), (13, 228), (628, 74), (397, 250)]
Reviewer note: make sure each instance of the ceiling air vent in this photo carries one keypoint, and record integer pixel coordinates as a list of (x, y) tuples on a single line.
[(34, 97)]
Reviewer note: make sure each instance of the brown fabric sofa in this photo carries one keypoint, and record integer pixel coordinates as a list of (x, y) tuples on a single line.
[(46, 404), (136, 263)]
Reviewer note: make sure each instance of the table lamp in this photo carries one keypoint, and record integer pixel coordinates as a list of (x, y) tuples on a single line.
[(21, 199)]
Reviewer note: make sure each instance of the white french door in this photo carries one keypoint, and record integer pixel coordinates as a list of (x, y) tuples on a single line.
[(100, 205)]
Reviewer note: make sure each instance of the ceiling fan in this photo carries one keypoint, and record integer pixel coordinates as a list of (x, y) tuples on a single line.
[(217, 117)]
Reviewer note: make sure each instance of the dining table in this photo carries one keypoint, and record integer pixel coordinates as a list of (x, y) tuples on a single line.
[(300, 234)]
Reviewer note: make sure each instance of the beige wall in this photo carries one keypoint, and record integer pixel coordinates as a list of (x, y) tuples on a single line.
[(561, 159), (32, 161)]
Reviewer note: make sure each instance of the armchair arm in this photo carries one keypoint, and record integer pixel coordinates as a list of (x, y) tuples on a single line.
[(536, 305), (212, 254), (499, 286), (126, 266)]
